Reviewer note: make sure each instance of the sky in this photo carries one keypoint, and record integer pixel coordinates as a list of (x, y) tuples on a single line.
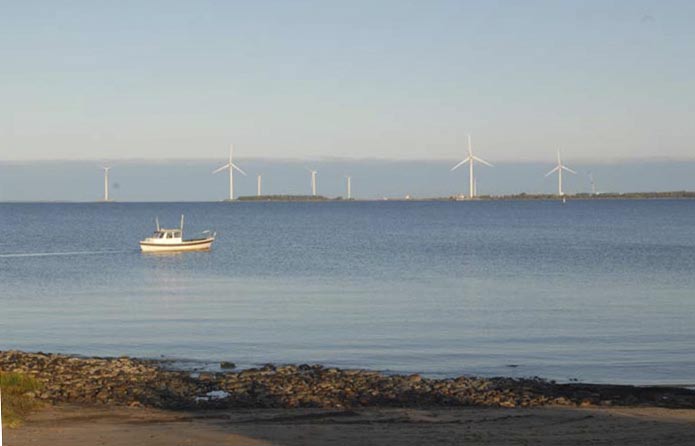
[(605, 81)]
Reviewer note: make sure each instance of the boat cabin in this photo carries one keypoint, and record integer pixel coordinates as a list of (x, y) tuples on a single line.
[(167, 234)]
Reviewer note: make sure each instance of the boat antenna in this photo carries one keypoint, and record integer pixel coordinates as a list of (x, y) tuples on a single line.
[(181, 222), (156, 220)]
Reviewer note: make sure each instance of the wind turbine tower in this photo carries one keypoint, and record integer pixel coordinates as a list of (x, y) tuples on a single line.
[(106, 182), (471, 159), (313, 181), (593, 184), (259, 185), (231, 166), (559, 168), (349, 187)]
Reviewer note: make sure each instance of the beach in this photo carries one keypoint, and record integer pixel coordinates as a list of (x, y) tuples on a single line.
[(67, 425), (120, 401)]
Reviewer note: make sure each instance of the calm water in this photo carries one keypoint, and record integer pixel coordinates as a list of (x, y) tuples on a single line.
[(597, 291)]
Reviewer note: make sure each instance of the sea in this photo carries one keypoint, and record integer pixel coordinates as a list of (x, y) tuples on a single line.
[(593, 291)]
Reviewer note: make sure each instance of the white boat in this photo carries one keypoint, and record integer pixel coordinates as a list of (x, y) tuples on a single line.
[(171, 240)]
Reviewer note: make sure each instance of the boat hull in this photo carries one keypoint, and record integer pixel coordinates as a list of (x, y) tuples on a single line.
[(186, 245)]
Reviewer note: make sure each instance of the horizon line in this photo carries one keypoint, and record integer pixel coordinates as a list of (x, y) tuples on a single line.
[(518, 196)]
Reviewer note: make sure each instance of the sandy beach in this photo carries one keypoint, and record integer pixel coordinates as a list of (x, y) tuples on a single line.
[(67, 425)]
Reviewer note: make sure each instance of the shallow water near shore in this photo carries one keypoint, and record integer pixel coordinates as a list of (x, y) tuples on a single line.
[(599, 291)]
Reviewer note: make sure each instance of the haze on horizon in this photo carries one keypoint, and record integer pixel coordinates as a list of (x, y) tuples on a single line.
[(320, 80)]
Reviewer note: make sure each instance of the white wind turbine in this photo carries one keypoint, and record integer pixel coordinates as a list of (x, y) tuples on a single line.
[(231, 166), (106, 181), (348, 178), (559, 168), (593, 184), (470, 159), (313, 181), (258, 192)]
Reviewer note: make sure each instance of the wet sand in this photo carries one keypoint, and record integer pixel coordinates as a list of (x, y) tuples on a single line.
[(68, 425)]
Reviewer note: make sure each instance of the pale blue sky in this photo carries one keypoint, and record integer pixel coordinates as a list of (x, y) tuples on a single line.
[(320, 79)]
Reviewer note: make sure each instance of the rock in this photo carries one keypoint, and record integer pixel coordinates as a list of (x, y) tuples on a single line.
[(132, 382), (415, 378), (226, 365)]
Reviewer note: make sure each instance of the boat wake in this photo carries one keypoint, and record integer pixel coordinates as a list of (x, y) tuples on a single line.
[(68, 253)]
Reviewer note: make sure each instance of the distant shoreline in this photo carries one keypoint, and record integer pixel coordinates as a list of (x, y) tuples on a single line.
[(672, 195)]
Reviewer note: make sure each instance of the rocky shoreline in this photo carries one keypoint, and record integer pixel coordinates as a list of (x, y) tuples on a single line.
[(136, 382)]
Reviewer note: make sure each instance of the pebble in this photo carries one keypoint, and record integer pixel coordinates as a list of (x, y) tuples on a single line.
[(134, 382)]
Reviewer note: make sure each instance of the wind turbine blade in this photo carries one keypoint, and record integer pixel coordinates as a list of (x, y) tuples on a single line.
[(226, 166), (480, 160), (569, 170), (460, 164), (238, 169), (553, 171)]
